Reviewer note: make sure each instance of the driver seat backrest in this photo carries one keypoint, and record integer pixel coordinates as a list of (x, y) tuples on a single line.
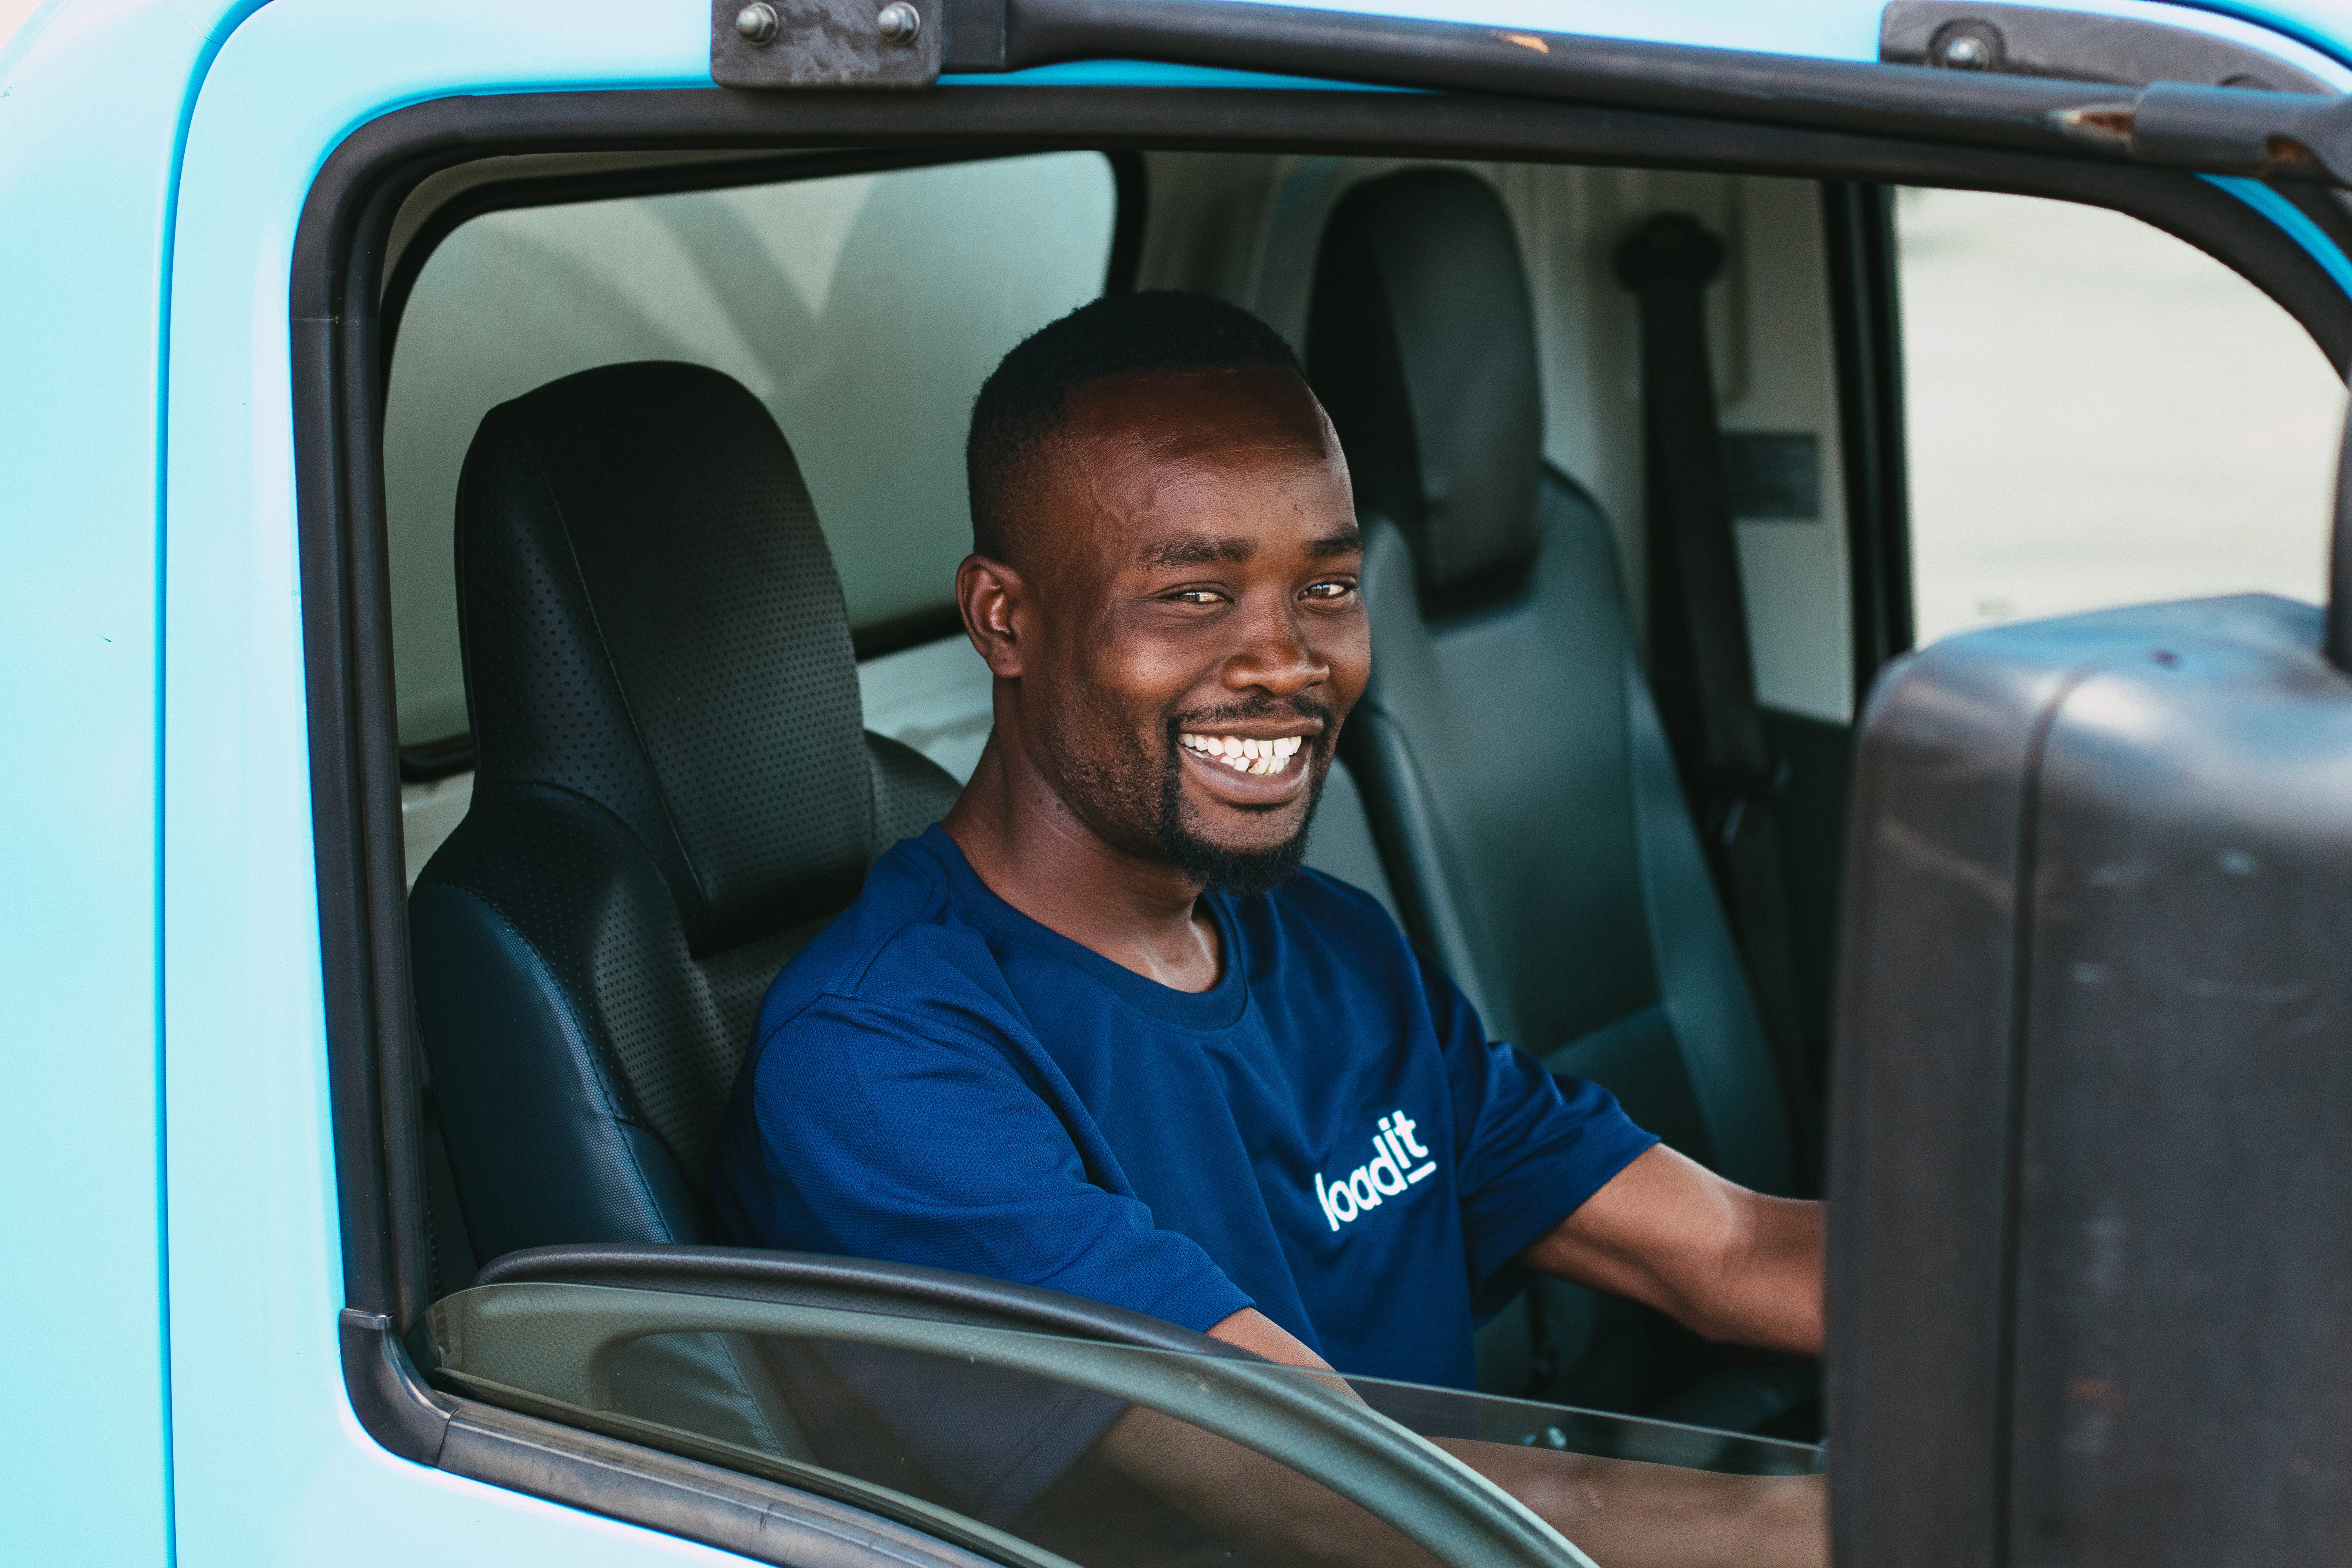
[(674, 790), (1518, 781)]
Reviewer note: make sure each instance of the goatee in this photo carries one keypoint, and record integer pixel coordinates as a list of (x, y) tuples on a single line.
[(1243, 873)]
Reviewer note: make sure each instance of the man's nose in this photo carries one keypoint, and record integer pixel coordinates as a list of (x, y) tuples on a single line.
[(1277, 656)]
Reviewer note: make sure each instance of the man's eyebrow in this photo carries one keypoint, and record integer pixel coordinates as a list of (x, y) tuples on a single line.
[(1199, 551), (1349, 541), (1203, 550)]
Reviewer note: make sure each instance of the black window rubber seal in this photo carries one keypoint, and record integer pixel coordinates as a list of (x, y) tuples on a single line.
[(336, 271), (1867, 346)]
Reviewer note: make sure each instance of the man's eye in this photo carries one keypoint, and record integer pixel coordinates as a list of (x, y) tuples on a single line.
[(1196, 596), (1329, 590)]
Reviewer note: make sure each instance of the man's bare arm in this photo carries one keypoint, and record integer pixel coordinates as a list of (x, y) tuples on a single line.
[(1256, 1332), (1622, 1513), (1727, 1263)]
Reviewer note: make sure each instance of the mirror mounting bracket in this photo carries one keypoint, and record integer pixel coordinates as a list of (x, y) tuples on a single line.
[(826, 43)]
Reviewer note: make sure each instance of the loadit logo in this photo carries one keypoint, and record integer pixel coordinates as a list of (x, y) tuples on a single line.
[(1390, 1171)]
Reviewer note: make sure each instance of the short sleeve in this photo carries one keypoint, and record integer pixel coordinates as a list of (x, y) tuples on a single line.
[(883, 1132), (887, 1132), (1529, 1147)]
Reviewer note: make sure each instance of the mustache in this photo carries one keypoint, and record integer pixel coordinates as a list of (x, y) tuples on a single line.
[(1204, 719)]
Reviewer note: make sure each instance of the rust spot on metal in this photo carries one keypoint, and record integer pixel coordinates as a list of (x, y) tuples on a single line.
[(2287, 150), (2100, 124), (2114, 119), (1526, 41)]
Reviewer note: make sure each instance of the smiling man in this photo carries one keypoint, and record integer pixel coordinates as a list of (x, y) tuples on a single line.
[(1099, 1031)]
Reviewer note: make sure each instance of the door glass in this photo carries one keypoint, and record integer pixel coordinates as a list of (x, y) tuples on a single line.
[(2099, 414), (862, 309), (1028, 1447)]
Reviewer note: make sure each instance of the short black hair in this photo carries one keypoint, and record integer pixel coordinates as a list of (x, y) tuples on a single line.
[(1024, 400)]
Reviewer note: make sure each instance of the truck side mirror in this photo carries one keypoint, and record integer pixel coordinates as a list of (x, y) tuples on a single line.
[(2090, 1277)]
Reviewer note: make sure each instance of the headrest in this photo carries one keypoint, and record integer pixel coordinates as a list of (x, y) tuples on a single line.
[(1420, 342), (650, 620)]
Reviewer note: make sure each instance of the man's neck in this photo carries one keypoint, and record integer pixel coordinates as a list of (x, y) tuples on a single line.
[(1036, 854)]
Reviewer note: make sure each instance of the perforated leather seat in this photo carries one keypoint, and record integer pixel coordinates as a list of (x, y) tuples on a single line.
[(674, 790), (1512, 763)]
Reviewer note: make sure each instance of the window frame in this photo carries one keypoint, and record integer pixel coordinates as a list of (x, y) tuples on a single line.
[(337, 379)]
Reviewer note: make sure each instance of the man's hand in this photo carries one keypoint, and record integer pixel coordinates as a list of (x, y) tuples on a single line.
[(1623, 1513), (1727, 1263)]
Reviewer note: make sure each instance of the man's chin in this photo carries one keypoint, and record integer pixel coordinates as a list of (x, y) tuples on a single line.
[(1229, 846), (1255, 864), (1241, 872)]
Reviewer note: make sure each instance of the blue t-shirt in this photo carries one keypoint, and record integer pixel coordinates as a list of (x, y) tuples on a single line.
[(1326, 1134)]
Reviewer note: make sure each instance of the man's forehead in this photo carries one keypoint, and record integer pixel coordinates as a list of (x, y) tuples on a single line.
[(1198, 468), (1245, 411)]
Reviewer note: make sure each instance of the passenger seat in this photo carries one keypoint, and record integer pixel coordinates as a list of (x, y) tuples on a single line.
[(674, 791), (1512, 763)]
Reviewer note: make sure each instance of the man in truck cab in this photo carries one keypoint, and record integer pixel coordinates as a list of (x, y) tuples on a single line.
[(1099, 1031)]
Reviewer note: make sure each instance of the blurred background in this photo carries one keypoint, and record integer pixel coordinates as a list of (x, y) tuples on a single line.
[(2099, 414)]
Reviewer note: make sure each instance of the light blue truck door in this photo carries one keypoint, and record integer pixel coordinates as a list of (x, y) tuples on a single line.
[(89, 106)]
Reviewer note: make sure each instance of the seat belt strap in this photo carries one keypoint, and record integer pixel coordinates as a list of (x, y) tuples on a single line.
[(1700, 669)]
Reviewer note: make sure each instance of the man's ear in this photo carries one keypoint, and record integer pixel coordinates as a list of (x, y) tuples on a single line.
[(993, 599)]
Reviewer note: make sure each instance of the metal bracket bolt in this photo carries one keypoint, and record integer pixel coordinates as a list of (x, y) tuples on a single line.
[(899, 23), (1967, 45), (1966, 52), (759, 24)]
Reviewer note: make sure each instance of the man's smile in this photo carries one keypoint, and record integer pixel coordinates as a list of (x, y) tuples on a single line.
[(1249, 773), (1245, 753)]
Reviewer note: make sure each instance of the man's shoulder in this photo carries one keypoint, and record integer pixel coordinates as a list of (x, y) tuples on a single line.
[(900, 945)]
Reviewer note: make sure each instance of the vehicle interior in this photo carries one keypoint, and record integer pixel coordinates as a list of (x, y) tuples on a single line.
[(672, 498)]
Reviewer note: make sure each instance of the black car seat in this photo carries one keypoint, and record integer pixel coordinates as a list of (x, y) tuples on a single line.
[(674, 790), (1512, 763)]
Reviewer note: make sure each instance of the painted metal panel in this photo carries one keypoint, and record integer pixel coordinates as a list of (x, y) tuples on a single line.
[(90, 101), (272, 1466)]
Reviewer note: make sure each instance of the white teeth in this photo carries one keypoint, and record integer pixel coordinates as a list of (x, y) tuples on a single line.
[(1247, 756)]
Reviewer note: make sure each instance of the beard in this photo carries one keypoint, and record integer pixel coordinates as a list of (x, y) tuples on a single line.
[(1243, 873), (1136, 802)]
